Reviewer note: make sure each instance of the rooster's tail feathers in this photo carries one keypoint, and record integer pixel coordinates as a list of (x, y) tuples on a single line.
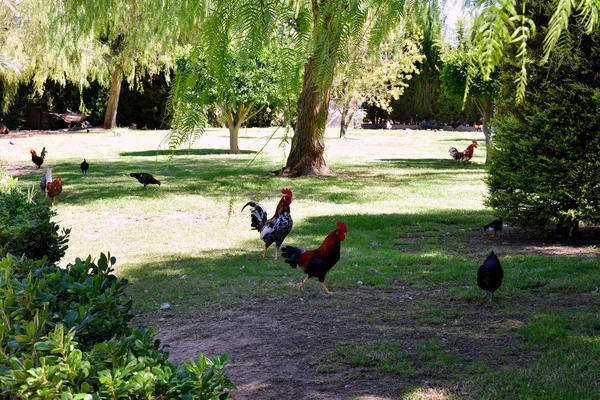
[(292, 255), (453, 151), (258, 214)]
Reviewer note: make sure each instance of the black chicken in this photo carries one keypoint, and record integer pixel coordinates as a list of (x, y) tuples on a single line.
[(84, 167), (489, 275), (495, 226), (144, 178)]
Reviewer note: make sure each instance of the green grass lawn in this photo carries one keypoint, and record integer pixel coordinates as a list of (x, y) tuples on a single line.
[(413, 219)]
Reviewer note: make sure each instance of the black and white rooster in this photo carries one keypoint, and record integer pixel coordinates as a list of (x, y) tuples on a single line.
[(275, 229)]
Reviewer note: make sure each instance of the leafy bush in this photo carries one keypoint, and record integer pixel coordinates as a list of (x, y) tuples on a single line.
[(25, 228), (7, 183), (65, 335), (547, 152)]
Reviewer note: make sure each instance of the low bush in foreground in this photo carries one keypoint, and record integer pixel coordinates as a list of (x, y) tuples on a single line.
[(65, 335), (26, 228)]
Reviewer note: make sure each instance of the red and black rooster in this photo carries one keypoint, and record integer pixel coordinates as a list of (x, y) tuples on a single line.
[(54, 188), (275, 229), (463, 156), (38, 160), (316, 263)]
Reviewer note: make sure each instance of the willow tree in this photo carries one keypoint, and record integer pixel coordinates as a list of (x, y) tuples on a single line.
[(320, 32), (334, 24), (504, 29), (33, 49), (141, 38)]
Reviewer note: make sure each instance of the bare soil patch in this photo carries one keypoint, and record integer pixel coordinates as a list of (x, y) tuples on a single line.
[(513, 240), (282, 346)]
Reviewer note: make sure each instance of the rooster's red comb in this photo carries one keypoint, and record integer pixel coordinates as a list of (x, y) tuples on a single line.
[(342, 227), (287, 192)]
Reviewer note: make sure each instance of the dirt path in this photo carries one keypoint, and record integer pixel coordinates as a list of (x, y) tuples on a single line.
[(372, 344), (283, 347)]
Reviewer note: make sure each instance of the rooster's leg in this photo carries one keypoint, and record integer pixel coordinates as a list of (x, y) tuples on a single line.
[(325, 288), (265, 253), (303, 282)]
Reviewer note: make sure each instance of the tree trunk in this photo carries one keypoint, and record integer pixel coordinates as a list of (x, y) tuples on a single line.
[(486, 107), (343, 121), (110, 116), (308, 145), (234, 123)]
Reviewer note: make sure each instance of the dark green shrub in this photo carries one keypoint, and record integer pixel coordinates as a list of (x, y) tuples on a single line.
[(548, 158), (547, 148), (65, 335), (25, 228)]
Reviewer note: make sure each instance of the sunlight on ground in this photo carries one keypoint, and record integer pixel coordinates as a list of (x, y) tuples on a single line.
[(428, 394)]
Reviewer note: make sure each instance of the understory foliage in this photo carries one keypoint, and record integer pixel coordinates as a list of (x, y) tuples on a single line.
[(547, 147), (26, 229), (64, 335), (65, 332)]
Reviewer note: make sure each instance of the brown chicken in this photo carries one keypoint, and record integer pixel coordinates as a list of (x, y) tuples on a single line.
[(54, 188), (316, 263), (463, 156), (275, 229), (37, 160)]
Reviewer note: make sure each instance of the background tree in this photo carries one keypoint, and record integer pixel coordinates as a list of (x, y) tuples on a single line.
[(141, 37), (333, 24), (374, 77), (504, 26), (547, 146), (239, 92), (36, 50), (425, 91), (457, 69)]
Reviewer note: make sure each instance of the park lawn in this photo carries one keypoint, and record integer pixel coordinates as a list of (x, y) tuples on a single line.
[(414, 220)]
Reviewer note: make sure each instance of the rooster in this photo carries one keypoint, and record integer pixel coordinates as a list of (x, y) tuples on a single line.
[(54, 188), (38, 160), (489, 275), (463, 156), (144, 178), (278, 227), (316, 263), (46, 177), (84, 167)]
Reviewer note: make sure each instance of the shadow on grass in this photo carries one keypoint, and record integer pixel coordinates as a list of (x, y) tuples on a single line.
[(433, 250), (464, 139), (239, 177), (181, 152), (431, 163), (111, 180)]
